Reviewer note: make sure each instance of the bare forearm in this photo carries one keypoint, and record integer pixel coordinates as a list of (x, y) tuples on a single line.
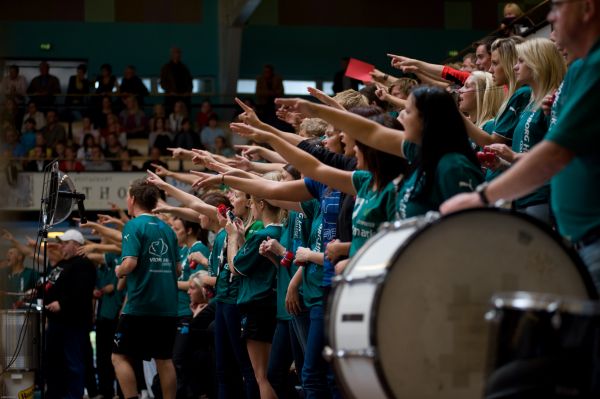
[(183, 177), (270, 189), (184, 213), (271, 156), (263, 167), (291, 138), (316, 257)]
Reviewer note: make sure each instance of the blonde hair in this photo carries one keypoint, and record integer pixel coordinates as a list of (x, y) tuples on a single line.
[(196, 278), (514, 7), (405, 85), (489, 96), (351, 98), (507, 52), (313, 127), (281, 214), (547, 65)]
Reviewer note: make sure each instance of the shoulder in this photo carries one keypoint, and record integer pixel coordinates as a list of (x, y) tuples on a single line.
[(361, 178), (453, 161)]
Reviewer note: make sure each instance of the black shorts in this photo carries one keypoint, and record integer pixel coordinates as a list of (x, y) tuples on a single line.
[(145, 337), (258, 322)]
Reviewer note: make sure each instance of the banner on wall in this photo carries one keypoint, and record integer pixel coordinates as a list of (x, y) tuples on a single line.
[(100, 190)]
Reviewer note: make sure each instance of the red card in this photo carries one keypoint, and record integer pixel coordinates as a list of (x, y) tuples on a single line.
[(359, 70)]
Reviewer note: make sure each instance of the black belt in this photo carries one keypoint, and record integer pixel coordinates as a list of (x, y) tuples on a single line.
[(589, 238)]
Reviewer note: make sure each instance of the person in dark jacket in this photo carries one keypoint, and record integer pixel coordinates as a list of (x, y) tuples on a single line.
[(68, 303)]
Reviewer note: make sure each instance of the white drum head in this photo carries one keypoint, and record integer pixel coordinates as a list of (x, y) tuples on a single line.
[(431, 336)]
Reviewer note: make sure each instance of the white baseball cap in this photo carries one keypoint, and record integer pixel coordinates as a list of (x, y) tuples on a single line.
[(72, 235)]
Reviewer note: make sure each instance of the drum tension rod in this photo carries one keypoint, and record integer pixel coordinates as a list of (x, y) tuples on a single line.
[(329, 354)]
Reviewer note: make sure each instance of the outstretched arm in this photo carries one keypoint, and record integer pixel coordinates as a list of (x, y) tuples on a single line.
[(361, 129), (304, 162)]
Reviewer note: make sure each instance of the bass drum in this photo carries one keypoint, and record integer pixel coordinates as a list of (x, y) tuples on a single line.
[(406, 319)]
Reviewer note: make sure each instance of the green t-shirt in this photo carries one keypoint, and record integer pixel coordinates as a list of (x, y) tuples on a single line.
[(294, 235), (371, 208), (254, 227), (561, 96), (227, 285), (575, 191), (18, 282), (183, 299), (152, 285), (531, 129), (257, 273), (506, 123), (312, 275), (455, 173), (110, 304)]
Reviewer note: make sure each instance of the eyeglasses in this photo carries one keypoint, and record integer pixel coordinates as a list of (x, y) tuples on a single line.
[(556, 4)]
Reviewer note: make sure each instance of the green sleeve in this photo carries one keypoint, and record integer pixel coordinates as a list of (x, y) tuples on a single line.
[(131, 245), (410, 150), (577, 126), (360, 178), (200, 247), (506, 123), (456, 174)]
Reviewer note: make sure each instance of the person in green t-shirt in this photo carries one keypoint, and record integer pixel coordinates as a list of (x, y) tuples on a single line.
[(256, 297), (541, 67), (187, 237), (569, 156), (16, 279), (150, 260)]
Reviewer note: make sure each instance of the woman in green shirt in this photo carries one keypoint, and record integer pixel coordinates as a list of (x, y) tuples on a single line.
[(541, 67), (256, 297)]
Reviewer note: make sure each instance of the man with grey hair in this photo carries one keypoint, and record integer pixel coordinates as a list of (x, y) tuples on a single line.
[(68, 302)]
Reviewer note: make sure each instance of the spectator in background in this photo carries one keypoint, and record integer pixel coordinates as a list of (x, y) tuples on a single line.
[(54, 131), (14, 86), (187, 138), (112, 150), (40, 141), (514, 21), (126, 165), (133, 119), (10, 114), (32, 112), (97, 162), (176, 81), (44, 87), (469, 62), (70, 163), (28, 134), (11, 146), (16, 277), (79, 88), (222, 147), (158, 111), (113, 127), (101, 114), (340, 81), (106, 85), (159, 136), (210, 133), (85, 151), (154, 159), (204, 115), (132, 84), (269, 86), (86, 128), (37, 159), (58, 150), (176, 117)]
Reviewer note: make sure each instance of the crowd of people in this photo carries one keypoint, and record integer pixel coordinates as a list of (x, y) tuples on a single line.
[(91, 130), (227, 292)]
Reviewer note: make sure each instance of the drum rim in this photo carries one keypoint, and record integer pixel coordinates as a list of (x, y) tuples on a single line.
[(539, 301), (331, 305), (581, 268)]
